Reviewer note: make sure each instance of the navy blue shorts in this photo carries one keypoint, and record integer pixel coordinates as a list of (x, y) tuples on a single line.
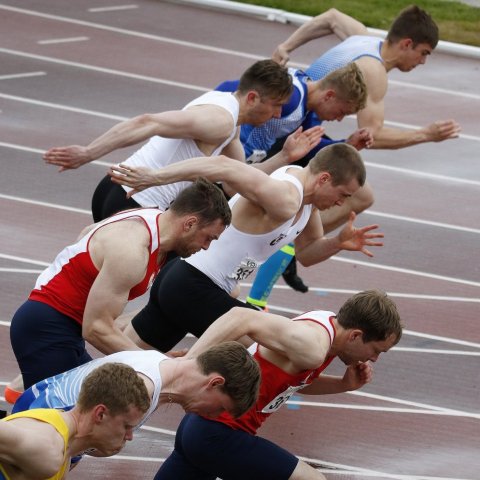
[(45, 342), (206, 449)]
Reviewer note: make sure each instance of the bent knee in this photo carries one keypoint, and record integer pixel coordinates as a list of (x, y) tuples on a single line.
[(362, 199), (303, 471)]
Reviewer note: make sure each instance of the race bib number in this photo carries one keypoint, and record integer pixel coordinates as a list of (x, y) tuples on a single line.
[(280, 399), (246, 268)]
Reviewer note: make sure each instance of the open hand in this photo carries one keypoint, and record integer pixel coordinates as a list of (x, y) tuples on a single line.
[(67, 158), (137, 178), (356, 239)]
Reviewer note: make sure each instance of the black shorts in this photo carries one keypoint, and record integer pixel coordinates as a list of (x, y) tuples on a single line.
[(182, 300), (110, 198)]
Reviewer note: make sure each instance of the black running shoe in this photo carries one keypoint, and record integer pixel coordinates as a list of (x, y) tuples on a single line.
[(292, 279)]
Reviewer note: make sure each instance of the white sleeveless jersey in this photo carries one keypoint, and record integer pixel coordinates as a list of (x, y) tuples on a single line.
[(61, 391), (236, 255), (159, 152), (349, 50)]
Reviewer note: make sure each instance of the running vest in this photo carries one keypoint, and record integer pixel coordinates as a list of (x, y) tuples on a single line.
[(66, 283), (54, 418), (159, 152), (277, 386), (61, 391), (236, 255), (349, 50), (264, 136)]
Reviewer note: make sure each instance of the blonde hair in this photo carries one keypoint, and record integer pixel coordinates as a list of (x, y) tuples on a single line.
[(349, 85)]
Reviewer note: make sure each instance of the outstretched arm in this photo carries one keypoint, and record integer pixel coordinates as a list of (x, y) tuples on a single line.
[(372, 116), (355, 377), (279, 199), (208, 123), (305, 343), (331, 21)]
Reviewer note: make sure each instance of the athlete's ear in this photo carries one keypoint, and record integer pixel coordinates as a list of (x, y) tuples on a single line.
[(190, 222), (252, 97), (99, 412), (216, 381), (406, 43)]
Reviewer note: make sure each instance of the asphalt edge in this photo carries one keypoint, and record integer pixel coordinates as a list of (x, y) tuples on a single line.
[(282, 16)]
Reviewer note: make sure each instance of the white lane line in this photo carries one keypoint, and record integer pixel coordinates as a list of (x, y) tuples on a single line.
[(436, 351), (24, 260), (418, 173), (423, 222), (104, 70), (20, 270), (53, 41), (45, 204), (347, 406), (62, 107), (22, 75), (113, 8), (415, 296), (407, 271), (426, 406), (200, 46)]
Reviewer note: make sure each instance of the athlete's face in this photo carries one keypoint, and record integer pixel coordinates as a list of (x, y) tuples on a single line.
[(356, 350), (263, 109), (113, 431), (413, 56), (198, 237), (330, 107), (328, 195)]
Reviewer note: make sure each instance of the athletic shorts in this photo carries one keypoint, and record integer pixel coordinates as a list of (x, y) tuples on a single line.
[(182, 300), (110, 198), (206, 449), (45, 342)]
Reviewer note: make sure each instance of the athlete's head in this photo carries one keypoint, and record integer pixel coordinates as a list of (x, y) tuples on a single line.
[(415, 24), (342, 92), (239, 371)]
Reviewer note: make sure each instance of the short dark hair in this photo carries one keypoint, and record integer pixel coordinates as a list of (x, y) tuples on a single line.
[(341, 161), (205, 200), (115, 385), (268, 78), (372, 312), (416, 24), (239, 369)]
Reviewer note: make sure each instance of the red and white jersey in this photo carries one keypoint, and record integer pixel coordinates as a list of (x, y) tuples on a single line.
[(66, 283), (278, 386)]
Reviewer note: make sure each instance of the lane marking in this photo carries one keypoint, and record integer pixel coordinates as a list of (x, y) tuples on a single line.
[(407, 271), (105, 70), (19, 270), (113, 8), (423, 222), (436, 351), (22, 75), (204, 47), (62, 40), (418, 173), (347, 406)]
